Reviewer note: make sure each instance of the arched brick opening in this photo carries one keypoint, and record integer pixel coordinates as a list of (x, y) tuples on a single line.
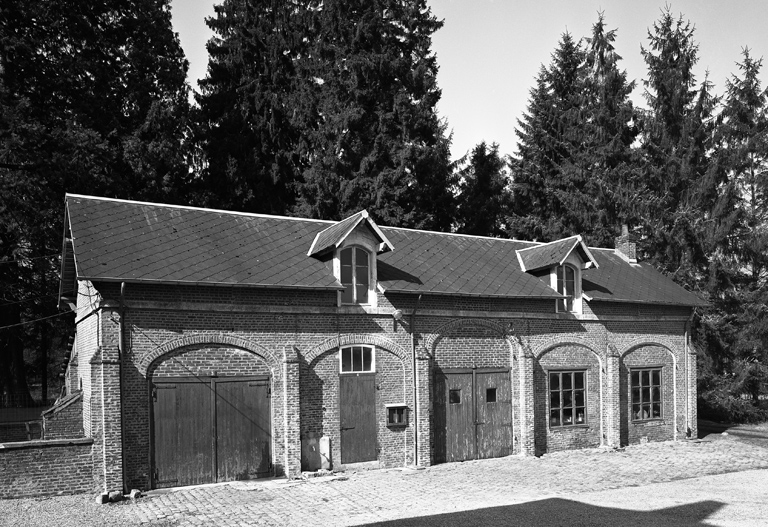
[(564, 358), (648, 354), (173, 346), (321, 397)]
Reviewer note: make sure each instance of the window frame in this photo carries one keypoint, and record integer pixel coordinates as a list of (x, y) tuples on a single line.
[(651, 385), (560, 287), (362, 359), (573, 406), (370, 290), (395, 409)]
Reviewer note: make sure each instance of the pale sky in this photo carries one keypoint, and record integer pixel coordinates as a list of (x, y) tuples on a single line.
[(490, 51)]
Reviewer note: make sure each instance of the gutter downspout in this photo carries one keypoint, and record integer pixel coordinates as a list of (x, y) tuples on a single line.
[(686, 350), (415, 385), (120, 355)]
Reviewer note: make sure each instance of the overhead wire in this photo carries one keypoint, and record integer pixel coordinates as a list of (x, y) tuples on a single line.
[(26, 322), (27, 259)]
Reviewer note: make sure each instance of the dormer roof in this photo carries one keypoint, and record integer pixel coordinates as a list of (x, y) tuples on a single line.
[(555, 253), (333, 237)]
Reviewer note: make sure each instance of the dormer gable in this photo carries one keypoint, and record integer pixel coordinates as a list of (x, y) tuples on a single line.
[(337, 234), (560, 263), (556, 253), (354, 244)]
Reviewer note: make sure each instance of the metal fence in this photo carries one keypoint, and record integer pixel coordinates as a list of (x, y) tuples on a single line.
[(20, 417)]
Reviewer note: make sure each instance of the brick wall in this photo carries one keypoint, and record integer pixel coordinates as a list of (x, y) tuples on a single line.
[(320, 402), (553, 438), (177, 330), (65, 420), (43, 468)]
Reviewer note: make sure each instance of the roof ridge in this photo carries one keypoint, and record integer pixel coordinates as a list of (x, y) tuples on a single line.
[(578, 236), (460, 235), (190, 207)]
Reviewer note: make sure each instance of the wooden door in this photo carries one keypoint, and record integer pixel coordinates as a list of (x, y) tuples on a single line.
[(183, 429), (243, 432), (493, 397), (357, 394), (210, 429), (473, 414), (454, 416)]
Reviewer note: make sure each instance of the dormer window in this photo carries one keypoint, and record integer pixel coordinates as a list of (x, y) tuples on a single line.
[(354, 243), (566, 286), (355, 275), (560, 264)]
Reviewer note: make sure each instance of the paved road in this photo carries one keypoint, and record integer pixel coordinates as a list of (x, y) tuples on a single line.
[(719, 481)]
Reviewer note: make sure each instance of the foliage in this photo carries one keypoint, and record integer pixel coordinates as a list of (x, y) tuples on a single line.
[(484, 198), (247, 133), (541, 191), (377, 141), (92, 99), (575, 173), (321, 109)]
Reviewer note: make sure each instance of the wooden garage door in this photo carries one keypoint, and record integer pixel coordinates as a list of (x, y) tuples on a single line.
[(473, 414), (210, 429)]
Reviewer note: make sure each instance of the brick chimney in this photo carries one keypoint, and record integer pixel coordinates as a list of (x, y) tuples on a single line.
[(626, 248)]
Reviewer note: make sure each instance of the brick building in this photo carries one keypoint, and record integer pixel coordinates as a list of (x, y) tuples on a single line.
[(213, 345)]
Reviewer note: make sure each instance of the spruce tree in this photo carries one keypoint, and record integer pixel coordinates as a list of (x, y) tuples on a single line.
[(377, 142), (600, 164), (745, 136), (546, 134), (680, 171), (742, 298), (246, 134), (484, 199)]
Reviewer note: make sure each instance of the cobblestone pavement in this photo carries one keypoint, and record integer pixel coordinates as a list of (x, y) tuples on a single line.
[(375, 496), (384, 495)]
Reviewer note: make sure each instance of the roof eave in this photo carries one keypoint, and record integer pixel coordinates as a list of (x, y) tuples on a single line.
[(554, 296), (112, 279), (649, 302)]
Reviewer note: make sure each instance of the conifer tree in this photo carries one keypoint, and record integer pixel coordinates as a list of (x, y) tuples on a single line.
[(680, 169), (743, 294), (546, 136), (745, 136), (246, 134), (484, 199), (377, 142), (600, 160), (93, 99)]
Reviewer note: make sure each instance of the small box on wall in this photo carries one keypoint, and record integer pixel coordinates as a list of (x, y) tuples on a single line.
[(397, 415)]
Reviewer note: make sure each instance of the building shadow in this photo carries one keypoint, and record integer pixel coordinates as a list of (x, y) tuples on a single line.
[(563, 512)]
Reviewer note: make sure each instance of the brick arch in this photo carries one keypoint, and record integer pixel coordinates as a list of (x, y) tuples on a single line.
[(356, 338), (222, 340), (543, 349), (431, 342), (641, 343)]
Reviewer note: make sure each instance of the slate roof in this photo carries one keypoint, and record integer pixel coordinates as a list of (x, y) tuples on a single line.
[(116, 240), (553, 253)]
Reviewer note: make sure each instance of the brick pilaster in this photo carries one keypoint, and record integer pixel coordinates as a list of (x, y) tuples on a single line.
[(525, 411), (692, 416), (423, 420), (612, 398), (291, 416), (109, 392)]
